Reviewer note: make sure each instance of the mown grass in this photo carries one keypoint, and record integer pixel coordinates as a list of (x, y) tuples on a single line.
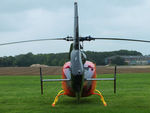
[(21, 94)]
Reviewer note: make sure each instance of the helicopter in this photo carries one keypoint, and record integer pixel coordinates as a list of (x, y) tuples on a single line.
[(78, 74)]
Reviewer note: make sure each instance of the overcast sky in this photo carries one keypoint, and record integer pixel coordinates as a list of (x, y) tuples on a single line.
[(37, 19)]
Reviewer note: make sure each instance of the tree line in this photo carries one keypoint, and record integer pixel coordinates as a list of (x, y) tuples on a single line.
[(58, 59)]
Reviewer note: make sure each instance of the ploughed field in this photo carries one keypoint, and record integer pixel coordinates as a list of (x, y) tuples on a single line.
[(56, 70), (21, 94)]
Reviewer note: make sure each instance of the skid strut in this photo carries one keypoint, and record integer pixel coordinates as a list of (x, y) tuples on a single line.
[(56, 98), (102, 98)]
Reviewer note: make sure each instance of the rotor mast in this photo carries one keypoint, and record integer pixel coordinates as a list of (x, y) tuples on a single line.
[(76, 39)]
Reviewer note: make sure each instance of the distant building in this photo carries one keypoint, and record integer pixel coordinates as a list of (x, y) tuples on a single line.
[(131, 60)]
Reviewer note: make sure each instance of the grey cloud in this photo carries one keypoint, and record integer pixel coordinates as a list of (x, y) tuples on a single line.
[(32, 19), (10, 6)]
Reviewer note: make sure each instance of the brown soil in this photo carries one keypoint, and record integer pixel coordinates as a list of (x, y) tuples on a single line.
[(55, 70)]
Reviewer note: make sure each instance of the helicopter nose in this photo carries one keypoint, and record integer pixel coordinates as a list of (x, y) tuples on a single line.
[(77, 81), (77, 84)]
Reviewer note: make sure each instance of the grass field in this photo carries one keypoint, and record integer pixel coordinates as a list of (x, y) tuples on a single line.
[(21, 94)]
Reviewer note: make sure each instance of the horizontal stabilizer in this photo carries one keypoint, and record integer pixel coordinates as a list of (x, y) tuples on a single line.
[(97, 79), (53, 80)]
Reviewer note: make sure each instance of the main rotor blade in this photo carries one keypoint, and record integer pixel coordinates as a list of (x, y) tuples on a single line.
[(121, 39), (36, 40)]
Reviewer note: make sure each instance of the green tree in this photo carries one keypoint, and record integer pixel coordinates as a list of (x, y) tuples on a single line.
[(118, 61), (60, 58)]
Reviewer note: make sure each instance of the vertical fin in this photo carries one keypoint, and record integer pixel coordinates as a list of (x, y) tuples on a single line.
[(115, 78), (76, 27), (41, 79)]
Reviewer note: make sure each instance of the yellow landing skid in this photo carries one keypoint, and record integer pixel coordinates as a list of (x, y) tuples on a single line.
[(56, 98), (61, 93), (102, 98)]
